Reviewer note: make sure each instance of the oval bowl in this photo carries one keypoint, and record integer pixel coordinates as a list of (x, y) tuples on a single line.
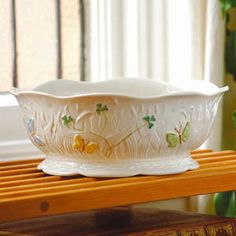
[(120, 127)]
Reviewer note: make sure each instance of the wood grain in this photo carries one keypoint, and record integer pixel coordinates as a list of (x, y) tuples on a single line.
[(26, 192)]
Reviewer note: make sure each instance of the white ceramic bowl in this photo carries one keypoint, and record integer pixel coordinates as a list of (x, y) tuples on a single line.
[(119, 127)]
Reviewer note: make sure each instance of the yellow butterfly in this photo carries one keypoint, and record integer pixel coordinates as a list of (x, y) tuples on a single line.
[(79, 143)]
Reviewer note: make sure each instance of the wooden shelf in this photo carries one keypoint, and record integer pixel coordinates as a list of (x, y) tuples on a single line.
[(26, 192)]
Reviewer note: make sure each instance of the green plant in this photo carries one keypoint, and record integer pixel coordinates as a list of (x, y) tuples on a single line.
[(225, 202), (230, 38)]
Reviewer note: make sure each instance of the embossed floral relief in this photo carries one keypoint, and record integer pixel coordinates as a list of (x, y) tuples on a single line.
[(83, 144), (105, 131), (31, 131)]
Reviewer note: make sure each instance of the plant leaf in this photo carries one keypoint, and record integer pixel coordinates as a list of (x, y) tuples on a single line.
[(234, 118), (226, 5), (224, 204), (230, 53)]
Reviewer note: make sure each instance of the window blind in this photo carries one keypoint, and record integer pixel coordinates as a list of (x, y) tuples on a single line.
[(40, 41)]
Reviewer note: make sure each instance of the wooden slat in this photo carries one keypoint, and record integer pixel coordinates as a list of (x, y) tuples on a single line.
[(211, 154), (20, 166), (201, 151), (18, 172), (217, 163), (216, 158), (28, 180), (43, 185), (110, 182), (26, 192), (23, 176), (17, 162)]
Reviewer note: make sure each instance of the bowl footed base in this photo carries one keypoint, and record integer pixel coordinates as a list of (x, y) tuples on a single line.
[(121, 168)]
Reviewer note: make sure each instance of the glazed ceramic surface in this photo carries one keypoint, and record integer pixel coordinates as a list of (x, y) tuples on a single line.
[(120, 127)]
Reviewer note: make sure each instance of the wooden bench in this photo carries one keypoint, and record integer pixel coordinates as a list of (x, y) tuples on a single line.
[(26, 192)]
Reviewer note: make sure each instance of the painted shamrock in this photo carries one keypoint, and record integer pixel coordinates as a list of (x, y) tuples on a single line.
[(150, 119), (100, 108), (66, 119)]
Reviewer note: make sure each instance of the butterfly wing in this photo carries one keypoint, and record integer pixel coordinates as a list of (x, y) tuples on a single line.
[(91, 148), (186, 132), (79, 142), (172, 139)]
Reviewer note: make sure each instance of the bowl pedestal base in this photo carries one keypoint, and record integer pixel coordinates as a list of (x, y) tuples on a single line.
[(115, 168)]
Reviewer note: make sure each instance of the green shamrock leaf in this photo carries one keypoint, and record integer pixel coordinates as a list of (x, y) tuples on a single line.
[(66, 119), (150, 119), (100, 108)]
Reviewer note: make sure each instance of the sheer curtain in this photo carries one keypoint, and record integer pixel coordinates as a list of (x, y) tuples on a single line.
[(168, 40)]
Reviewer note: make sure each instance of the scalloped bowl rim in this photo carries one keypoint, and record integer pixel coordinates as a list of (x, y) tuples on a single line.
[(189, 92)]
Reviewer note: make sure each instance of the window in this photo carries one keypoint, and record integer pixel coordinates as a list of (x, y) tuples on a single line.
[(40, 41)]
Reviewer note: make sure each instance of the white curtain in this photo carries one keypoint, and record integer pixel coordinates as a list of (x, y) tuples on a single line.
[(169, 40)]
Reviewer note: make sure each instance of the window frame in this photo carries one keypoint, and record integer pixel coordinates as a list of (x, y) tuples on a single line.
[(14, 142)]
